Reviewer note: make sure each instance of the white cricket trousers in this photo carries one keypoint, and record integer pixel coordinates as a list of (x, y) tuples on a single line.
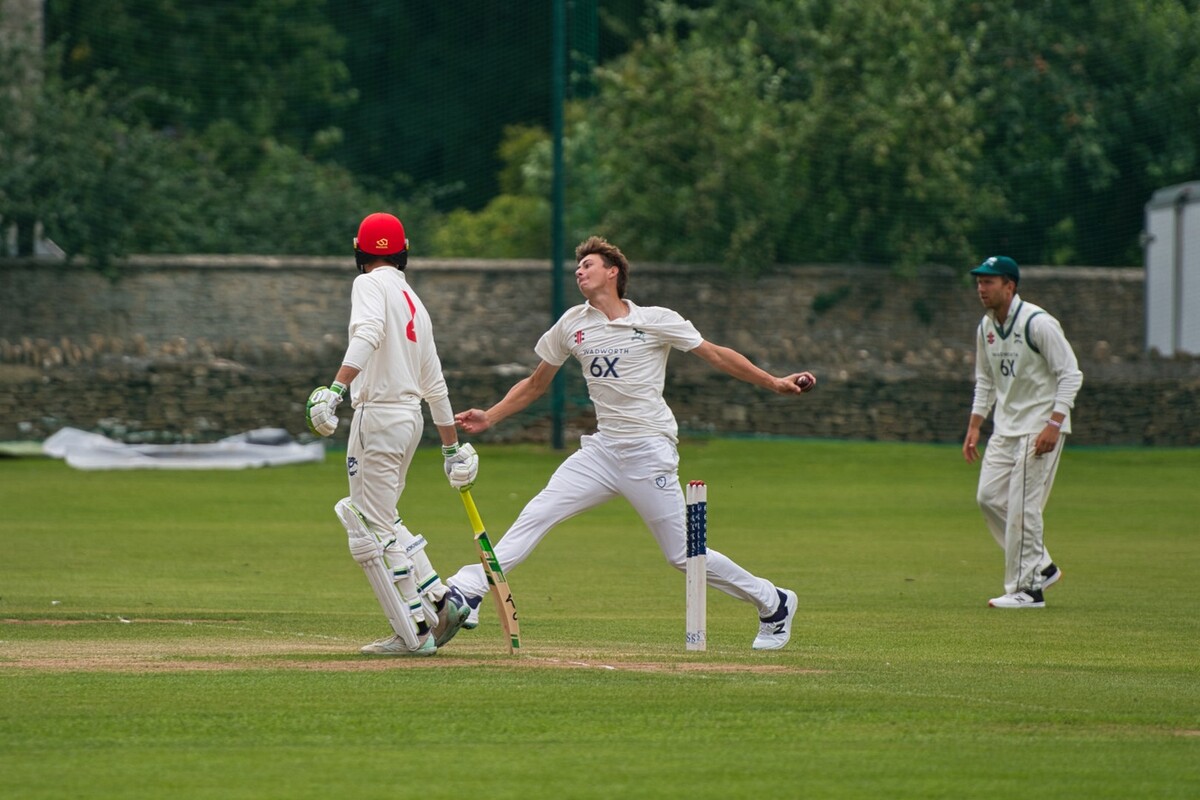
[(383, 440), (645, 472), (1014, 485)]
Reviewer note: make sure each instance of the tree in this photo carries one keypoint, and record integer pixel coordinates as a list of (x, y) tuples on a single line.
[(104, 182), (693, 158), (77, 161), (516, 223), (272, 67), (764, 132), (1086, 110), (901, 132)]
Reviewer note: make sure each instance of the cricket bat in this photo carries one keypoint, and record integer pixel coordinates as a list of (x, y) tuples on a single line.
[(697, 565), (505, 607)]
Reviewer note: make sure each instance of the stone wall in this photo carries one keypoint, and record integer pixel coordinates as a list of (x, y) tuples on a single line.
[(195, 348)]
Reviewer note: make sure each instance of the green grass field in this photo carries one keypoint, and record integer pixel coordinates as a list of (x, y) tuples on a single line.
[(195, 635)]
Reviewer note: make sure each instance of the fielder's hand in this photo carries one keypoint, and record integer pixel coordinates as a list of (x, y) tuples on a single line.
[(971, 446), (321, 411), (462, 465), (1046, 441)]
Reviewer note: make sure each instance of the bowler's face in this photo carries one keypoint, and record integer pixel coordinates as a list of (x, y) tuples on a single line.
[(591, 274)]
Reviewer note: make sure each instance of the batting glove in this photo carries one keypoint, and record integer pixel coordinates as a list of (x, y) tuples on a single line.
[(321, 411), (462, 465)]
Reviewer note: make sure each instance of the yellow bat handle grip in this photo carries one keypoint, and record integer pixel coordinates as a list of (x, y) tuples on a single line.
[(472, 512)]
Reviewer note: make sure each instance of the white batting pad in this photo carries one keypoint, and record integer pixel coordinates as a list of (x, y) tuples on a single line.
[(366, 550)]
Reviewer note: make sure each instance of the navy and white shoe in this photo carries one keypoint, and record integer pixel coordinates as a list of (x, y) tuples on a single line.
[(450, 618), (1050, 576), (774, 631), (1026, 598), (463, 601)]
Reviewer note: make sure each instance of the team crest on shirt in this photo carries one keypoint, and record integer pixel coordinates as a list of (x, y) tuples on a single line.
[(639, 336)]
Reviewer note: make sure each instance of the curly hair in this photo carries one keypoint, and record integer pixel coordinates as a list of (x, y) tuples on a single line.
[(612, 256)]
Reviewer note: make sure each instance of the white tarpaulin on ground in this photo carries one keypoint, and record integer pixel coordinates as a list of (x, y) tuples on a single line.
[(264, 447)]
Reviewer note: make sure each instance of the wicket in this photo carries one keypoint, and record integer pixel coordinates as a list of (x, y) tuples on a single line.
[(697, 565)]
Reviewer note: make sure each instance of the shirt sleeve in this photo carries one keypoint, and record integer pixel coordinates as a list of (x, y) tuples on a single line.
[(433, 384), (552, 347), (431, 380), (678, 332), (985, 387), (367, 314), (1048, 335)]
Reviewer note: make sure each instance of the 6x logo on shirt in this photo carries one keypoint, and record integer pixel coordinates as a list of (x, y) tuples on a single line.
[(604, 367)]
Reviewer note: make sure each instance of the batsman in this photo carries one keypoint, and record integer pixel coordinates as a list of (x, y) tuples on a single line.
[(391, 365)]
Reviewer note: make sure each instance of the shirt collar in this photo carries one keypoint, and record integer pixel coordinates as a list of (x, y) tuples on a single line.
[(1014, 308), (628, 319)]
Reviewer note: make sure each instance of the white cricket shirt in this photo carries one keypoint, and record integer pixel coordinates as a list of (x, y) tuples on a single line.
[(391, 342), (624, 362), (1026, 368)]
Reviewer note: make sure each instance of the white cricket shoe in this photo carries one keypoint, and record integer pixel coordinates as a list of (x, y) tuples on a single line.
[(774, 632), (472, 603), (1027, 598), (395, 646)]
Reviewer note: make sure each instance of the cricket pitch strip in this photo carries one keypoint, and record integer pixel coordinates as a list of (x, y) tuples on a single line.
[(227, 645)]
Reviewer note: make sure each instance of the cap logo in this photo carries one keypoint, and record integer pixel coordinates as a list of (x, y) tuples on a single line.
[(381, 242)]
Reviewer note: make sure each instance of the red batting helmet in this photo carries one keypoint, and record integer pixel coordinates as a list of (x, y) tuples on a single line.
[(381, 235)]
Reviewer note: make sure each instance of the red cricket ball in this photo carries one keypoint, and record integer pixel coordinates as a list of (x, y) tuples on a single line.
[(804, 382)]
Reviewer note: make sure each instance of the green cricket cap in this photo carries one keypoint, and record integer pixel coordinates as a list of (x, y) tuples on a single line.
[(999, 265)]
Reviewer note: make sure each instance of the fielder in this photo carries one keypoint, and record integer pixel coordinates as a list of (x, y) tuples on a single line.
[(390, 366), (1026, 369), (623, 350)]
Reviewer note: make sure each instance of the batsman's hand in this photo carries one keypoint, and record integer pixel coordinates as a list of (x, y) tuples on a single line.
[(321, 411), (462, 465)]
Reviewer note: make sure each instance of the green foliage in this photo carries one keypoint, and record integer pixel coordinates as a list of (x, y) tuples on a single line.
[(510, 226), (516, 148), (694, 158), (206, 646), (786, 132), (86, 162), (1086, 110), (890, 133), (293, 205), (904, 132), (745, 132), (271, 67), (516, 223)]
